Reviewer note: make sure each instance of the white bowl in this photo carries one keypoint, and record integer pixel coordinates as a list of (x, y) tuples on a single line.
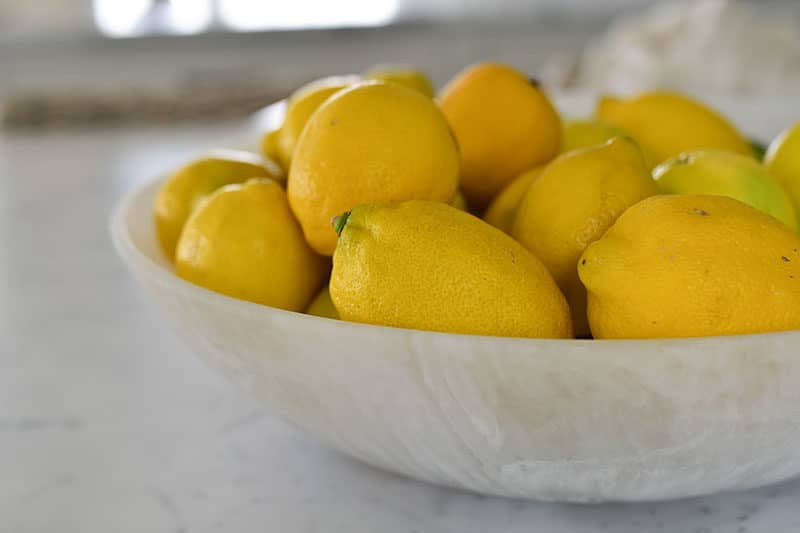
[(568, 420)]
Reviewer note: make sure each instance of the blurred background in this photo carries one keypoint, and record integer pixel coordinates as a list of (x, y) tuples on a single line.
[(85, 61)]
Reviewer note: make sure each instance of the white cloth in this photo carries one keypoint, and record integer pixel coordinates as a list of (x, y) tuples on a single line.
[(706, 46)]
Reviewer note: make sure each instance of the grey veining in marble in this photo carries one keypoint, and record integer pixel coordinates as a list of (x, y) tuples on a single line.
[(108, 424)]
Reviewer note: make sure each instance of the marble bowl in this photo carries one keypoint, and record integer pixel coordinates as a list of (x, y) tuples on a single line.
[(567, 420)]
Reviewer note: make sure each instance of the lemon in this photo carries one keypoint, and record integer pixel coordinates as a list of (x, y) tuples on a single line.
[(572, 203), (427, 265), (404, 75), (181, 192), (374, 142), (270, 147), (243, 241), (783, 161), (280, 144), (692, 265), (322, 305), (459, 202), (503, 209), (667, 124), (577, 134), (728, 174), (504, 124)]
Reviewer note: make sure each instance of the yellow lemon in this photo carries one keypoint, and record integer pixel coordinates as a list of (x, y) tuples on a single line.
[(728, 174), (374, 142), (503, 209), (577, 134), (243, 241), (783, 161), (322, 305), (427, 265), (403, 75), (667, 124), (692, 265), (181, 192), (504, 124), (572, 203), (280, 144), (270, 147), (459, 202)]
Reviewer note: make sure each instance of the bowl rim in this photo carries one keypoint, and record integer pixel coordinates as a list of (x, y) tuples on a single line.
[(130, 252)]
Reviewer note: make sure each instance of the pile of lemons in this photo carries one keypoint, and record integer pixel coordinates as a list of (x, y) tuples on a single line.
[(482, 211)]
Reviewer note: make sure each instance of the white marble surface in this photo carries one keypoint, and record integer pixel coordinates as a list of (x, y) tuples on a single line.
[(108, 424)]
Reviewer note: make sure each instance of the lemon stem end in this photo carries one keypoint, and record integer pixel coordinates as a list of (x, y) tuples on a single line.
[(339, 222)]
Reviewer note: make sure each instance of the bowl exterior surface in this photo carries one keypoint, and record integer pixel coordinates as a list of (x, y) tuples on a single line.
[(539, 419)]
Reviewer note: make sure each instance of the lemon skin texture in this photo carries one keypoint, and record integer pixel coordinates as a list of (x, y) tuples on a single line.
[(427, 265), (322, 305), (783, 161), (577, 134), (270, 147), (690, 266), (504, 123), (299, 108), (459, 202), (728, 174), (374, 142), (185, 188), (574, 201), (503, 209), (244, 242), (667, 124), (407, 76)]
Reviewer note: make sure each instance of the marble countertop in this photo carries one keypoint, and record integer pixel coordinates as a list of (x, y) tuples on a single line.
[(109, 424)]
